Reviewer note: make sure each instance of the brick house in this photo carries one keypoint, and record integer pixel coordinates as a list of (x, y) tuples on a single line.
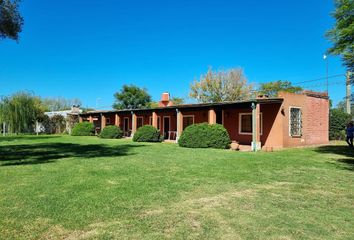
[(288, 120)]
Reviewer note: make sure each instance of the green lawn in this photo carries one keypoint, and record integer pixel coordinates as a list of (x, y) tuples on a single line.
[(62, 187)]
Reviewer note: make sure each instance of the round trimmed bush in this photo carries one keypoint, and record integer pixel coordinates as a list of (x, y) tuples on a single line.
[(203, 135), (147, 133), (83, 129), (111, 131)]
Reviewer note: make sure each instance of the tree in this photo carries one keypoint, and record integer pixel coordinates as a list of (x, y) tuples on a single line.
[(273, 88), (177, 100), (20, 112), (220, 86), (338, 121), (10, 19), (132, 97), (60, 103), (342, 105), (342, 34)]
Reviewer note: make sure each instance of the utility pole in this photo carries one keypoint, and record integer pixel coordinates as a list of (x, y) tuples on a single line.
[(348, 92)]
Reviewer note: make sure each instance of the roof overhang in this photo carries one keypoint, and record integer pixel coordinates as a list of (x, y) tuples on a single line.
[(236, 104)]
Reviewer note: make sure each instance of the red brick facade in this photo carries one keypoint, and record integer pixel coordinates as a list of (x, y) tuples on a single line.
[(274, 119)]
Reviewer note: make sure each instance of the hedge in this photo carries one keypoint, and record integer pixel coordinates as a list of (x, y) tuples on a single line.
[(147, 133), (111, 132), (83, 129), (203, 135)]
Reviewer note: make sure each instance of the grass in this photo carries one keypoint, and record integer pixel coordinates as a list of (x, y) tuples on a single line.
[(62, 187)]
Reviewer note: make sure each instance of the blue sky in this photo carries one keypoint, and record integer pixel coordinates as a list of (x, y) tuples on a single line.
[(89, 49)]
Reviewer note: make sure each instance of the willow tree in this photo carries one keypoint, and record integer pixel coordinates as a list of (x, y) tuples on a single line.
[(220, 86), (20, 112)]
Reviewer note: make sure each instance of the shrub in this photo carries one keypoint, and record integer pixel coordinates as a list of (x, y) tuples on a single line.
[(203, 135), (111, 132), (147, 133), (83, 129), (338, 121)]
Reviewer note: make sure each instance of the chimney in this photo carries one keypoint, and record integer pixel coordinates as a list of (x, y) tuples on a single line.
[(165, 100), (165, 97)]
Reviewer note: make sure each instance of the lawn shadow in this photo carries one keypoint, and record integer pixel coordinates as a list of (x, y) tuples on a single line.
[(347, 162), (25, 137), (24, 154)]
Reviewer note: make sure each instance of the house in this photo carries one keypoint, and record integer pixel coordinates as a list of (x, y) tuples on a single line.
[(70, 116), (288, 120)]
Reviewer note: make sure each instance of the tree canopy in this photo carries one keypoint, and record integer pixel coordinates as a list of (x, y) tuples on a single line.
[(220, 86), (10, 19), (273, 88), (20, 111), (177, 100), (342, 34), (132, 97), (60, 103)]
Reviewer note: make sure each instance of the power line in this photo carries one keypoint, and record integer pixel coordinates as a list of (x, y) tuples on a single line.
[(318, 79)]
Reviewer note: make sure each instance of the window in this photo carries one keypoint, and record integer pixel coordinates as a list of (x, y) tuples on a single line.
[(108, 121), (188, 120), (295, 125), (245, 123), (139, 122)]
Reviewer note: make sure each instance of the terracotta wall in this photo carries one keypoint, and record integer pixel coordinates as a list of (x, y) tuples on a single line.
[(275, 121), (270, 125), (200, 116), (146, 117), (111, 118), (122, 116), (315, 117), (317, 120), (173, 120)]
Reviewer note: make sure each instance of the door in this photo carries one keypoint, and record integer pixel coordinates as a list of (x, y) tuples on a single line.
[(126, 125), (166, 126), (219, 116)]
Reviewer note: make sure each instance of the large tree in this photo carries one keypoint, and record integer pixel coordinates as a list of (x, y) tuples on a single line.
[(342, 34), (132, 97), (10, 19), (220, 86), (20, 111), (273, 88)]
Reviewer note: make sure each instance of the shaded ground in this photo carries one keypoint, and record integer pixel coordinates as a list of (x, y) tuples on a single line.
[(66, 187), (340, 153)]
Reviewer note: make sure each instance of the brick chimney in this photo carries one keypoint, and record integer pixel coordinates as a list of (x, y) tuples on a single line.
[(165, 100)]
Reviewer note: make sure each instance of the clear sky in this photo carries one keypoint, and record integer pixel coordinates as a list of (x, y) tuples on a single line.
[(89, 49)]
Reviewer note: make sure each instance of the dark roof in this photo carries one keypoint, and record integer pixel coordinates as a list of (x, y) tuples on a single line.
[(191, 106)]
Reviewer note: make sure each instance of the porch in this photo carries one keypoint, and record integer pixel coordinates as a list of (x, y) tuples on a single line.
[(249, 123)]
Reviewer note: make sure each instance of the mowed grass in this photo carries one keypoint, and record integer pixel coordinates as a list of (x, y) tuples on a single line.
[(62, 187)]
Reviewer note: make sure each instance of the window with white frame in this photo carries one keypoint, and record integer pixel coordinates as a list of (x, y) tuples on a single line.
[(295, 122), (245, 123), (188, 120)]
